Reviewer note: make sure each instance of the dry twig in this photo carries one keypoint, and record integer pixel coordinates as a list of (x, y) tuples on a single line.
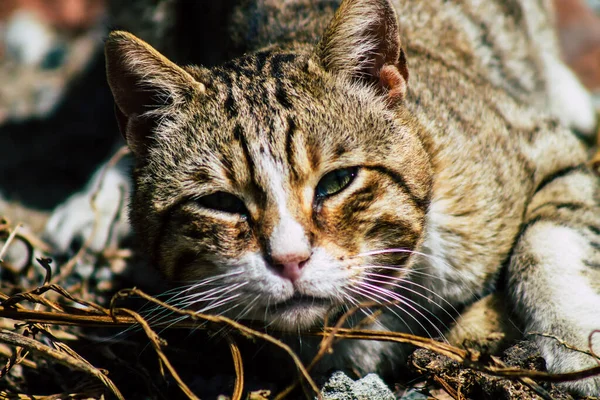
[(157, 344), (238, 390), (65, 359), (220, 321), (6, 245)]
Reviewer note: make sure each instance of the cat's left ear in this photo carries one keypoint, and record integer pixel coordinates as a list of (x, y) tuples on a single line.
[(143, 81), (363, 40)]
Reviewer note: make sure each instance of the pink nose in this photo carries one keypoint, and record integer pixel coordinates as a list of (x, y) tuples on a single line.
[(289, 266)]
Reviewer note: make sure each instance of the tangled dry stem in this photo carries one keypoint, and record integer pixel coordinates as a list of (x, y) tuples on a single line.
[(95, 315)]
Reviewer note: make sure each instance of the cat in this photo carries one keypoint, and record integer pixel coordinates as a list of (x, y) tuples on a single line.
[(409, 153)]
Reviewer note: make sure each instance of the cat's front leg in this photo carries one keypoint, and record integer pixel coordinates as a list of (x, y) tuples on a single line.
[(554, 273), (570, 101)]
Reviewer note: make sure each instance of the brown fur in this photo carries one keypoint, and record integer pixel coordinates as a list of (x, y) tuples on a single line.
[(461, 161)]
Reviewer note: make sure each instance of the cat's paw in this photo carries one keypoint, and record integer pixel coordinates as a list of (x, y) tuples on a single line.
[(97, 214), (560, 359)]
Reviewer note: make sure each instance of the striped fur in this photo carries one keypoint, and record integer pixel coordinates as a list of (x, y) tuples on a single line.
[(452, 116)]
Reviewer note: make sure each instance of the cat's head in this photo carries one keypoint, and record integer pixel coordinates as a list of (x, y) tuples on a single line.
[(266, 187)]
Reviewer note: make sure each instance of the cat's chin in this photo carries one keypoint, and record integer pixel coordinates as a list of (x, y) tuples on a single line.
[(297, 318)]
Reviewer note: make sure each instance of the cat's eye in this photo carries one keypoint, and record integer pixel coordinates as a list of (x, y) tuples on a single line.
[(224, 202), (335, 181)]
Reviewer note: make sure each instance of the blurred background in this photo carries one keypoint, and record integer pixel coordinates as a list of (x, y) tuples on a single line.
[(56, 111)]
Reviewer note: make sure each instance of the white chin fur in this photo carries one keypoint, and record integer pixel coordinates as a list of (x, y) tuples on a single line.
[(297, 318)]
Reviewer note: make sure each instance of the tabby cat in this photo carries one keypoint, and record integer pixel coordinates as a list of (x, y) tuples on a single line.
[(398, 152)]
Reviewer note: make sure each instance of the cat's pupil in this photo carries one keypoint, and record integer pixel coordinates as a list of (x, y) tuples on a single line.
[(225, 202), (334, 182)]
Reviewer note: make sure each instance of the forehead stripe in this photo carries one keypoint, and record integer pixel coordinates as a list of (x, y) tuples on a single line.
[(289, 140), (238, 134), (230, 105)]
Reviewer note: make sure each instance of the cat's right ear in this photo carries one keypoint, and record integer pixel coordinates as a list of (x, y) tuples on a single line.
[(143, 82), (363, 41)]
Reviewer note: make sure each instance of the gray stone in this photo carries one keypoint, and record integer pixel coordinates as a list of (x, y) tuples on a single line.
[(341, 387)]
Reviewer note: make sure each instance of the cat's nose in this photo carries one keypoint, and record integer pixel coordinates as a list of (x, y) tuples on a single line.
[(289, 248), (289, 265)]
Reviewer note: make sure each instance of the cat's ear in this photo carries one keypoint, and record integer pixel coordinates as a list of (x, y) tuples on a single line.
[(143, 81), (363, 40)]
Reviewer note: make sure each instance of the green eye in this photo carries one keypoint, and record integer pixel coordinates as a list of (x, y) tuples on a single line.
[(225, 202), (335, 182)]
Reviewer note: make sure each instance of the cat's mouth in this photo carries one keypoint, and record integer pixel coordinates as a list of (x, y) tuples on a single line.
[(297, 312), (300, 300)]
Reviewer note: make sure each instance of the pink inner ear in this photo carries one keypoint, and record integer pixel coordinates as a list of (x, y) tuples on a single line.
[(394, 82)]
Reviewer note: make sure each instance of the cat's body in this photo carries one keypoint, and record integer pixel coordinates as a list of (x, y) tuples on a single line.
[(308, 175)]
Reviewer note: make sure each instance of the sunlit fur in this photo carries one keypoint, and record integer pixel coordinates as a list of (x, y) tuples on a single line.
[(457, 152)]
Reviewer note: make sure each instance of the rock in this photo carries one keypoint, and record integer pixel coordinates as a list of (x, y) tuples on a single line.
[(341, 387)]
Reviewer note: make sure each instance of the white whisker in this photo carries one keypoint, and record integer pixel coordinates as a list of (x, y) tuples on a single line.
[(365, 293), (176, 294), (267, 308), (419, 253), (365, 310), (173, 322), (248, 308), (178, 291), (215, 296), (210, 294), (370, 274), (397, 250), (216, 304), (397, 268), (418, 305), (382, 293)]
